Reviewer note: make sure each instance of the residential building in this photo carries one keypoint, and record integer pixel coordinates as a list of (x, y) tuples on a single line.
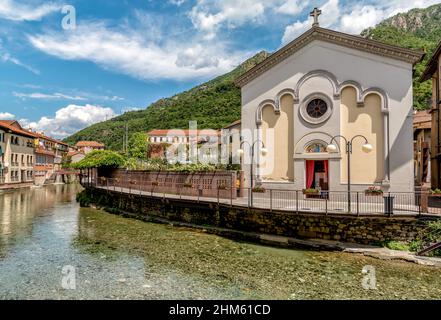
[(89, 146), (76, 156), (17, 155), (422, 124), (323, 85), (433, 72), (161, 140), (49, 154)]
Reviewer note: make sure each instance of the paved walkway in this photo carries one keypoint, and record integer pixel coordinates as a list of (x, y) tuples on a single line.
[(275, 202)]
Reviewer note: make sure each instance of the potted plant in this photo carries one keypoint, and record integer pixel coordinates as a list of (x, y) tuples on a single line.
[(434, 199), (258, 189), (222, 187), (373, 191), (435, 193), (311, 192)]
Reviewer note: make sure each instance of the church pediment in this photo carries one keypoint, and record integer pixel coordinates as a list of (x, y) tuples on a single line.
[(334, 37)]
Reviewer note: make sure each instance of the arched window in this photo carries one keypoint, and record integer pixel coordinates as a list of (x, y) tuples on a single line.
[(316, 147)]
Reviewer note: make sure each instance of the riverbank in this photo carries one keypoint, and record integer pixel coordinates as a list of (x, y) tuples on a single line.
[(288, 242), (365, 230)]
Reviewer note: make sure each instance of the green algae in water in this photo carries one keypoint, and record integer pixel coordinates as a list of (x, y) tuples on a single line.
[(259, 271)]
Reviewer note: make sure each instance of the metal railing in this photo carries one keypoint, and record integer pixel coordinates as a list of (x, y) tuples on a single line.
[(292, 201)]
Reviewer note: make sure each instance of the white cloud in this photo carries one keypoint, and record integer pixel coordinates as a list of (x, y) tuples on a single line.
[(130, 109), (330, 15), (177, 2), (292, 7), (70, 119), (130, 53), (6, 57), (294, 30), (44, 96), (6, 116), (209, 15), (361, 18), (17, 11)]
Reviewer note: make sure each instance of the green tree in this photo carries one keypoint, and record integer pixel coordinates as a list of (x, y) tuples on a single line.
[(101, 159), (139, 145)]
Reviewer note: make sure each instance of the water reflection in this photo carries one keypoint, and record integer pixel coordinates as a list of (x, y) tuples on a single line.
[(18, 209)]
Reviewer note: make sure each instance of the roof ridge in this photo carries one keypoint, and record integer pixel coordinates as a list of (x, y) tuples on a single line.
[(331, 36)]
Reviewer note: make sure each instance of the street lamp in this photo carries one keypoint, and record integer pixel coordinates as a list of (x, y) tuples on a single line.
[(241, 152), (332, 148)]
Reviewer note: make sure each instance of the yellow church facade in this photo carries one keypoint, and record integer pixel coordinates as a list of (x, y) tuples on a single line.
[(320, 89)]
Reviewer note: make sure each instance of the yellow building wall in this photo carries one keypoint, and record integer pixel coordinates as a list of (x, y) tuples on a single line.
[(367, 121), (283, 149)]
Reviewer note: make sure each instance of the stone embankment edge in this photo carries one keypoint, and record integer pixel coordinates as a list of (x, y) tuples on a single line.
[(288, 242)]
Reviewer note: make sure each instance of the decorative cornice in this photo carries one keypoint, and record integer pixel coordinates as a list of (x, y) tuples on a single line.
[(342, 39)]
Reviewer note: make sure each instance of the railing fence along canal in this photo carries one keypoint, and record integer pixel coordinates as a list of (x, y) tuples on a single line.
[(224, 192)]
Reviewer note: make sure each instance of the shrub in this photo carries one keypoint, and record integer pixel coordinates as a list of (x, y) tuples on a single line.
[(101, 159), (258, 189), (311, 191), (374, 191), (396, 245), (84, 199)]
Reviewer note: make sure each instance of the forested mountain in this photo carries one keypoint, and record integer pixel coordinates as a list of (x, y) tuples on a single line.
[(416, 29), (213, 105)]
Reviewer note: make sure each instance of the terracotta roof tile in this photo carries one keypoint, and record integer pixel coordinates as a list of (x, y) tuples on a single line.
[(92, 144), (179, 133), (15, 127)]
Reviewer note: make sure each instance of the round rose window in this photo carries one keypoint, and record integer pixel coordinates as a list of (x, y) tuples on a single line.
[(317, 108)]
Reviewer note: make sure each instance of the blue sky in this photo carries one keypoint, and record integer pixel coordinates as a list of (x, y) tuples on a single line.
[(122, 55)]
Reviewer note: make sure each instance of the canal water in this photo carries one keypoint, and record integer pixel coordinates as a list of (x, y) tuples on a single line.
[(52, 249)]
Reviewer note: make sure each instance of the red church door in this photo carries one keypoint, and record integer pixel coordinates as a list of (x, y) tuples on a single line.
[(317, 174)]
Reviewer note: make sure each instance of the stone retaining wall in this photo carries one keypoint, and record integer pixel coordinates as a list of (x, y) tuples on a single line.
[(363, 230)]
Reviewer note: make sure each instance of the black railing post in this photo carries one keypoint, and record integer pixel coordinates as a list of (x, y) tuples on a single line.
[(297, 201), (271, 200), (389, 204), (231, 196), (252, 198), (358, 204), (419, 203)]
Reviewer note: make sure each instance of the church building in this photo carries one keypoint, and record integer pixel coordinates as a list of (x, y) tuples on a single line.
[(322, 97)]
